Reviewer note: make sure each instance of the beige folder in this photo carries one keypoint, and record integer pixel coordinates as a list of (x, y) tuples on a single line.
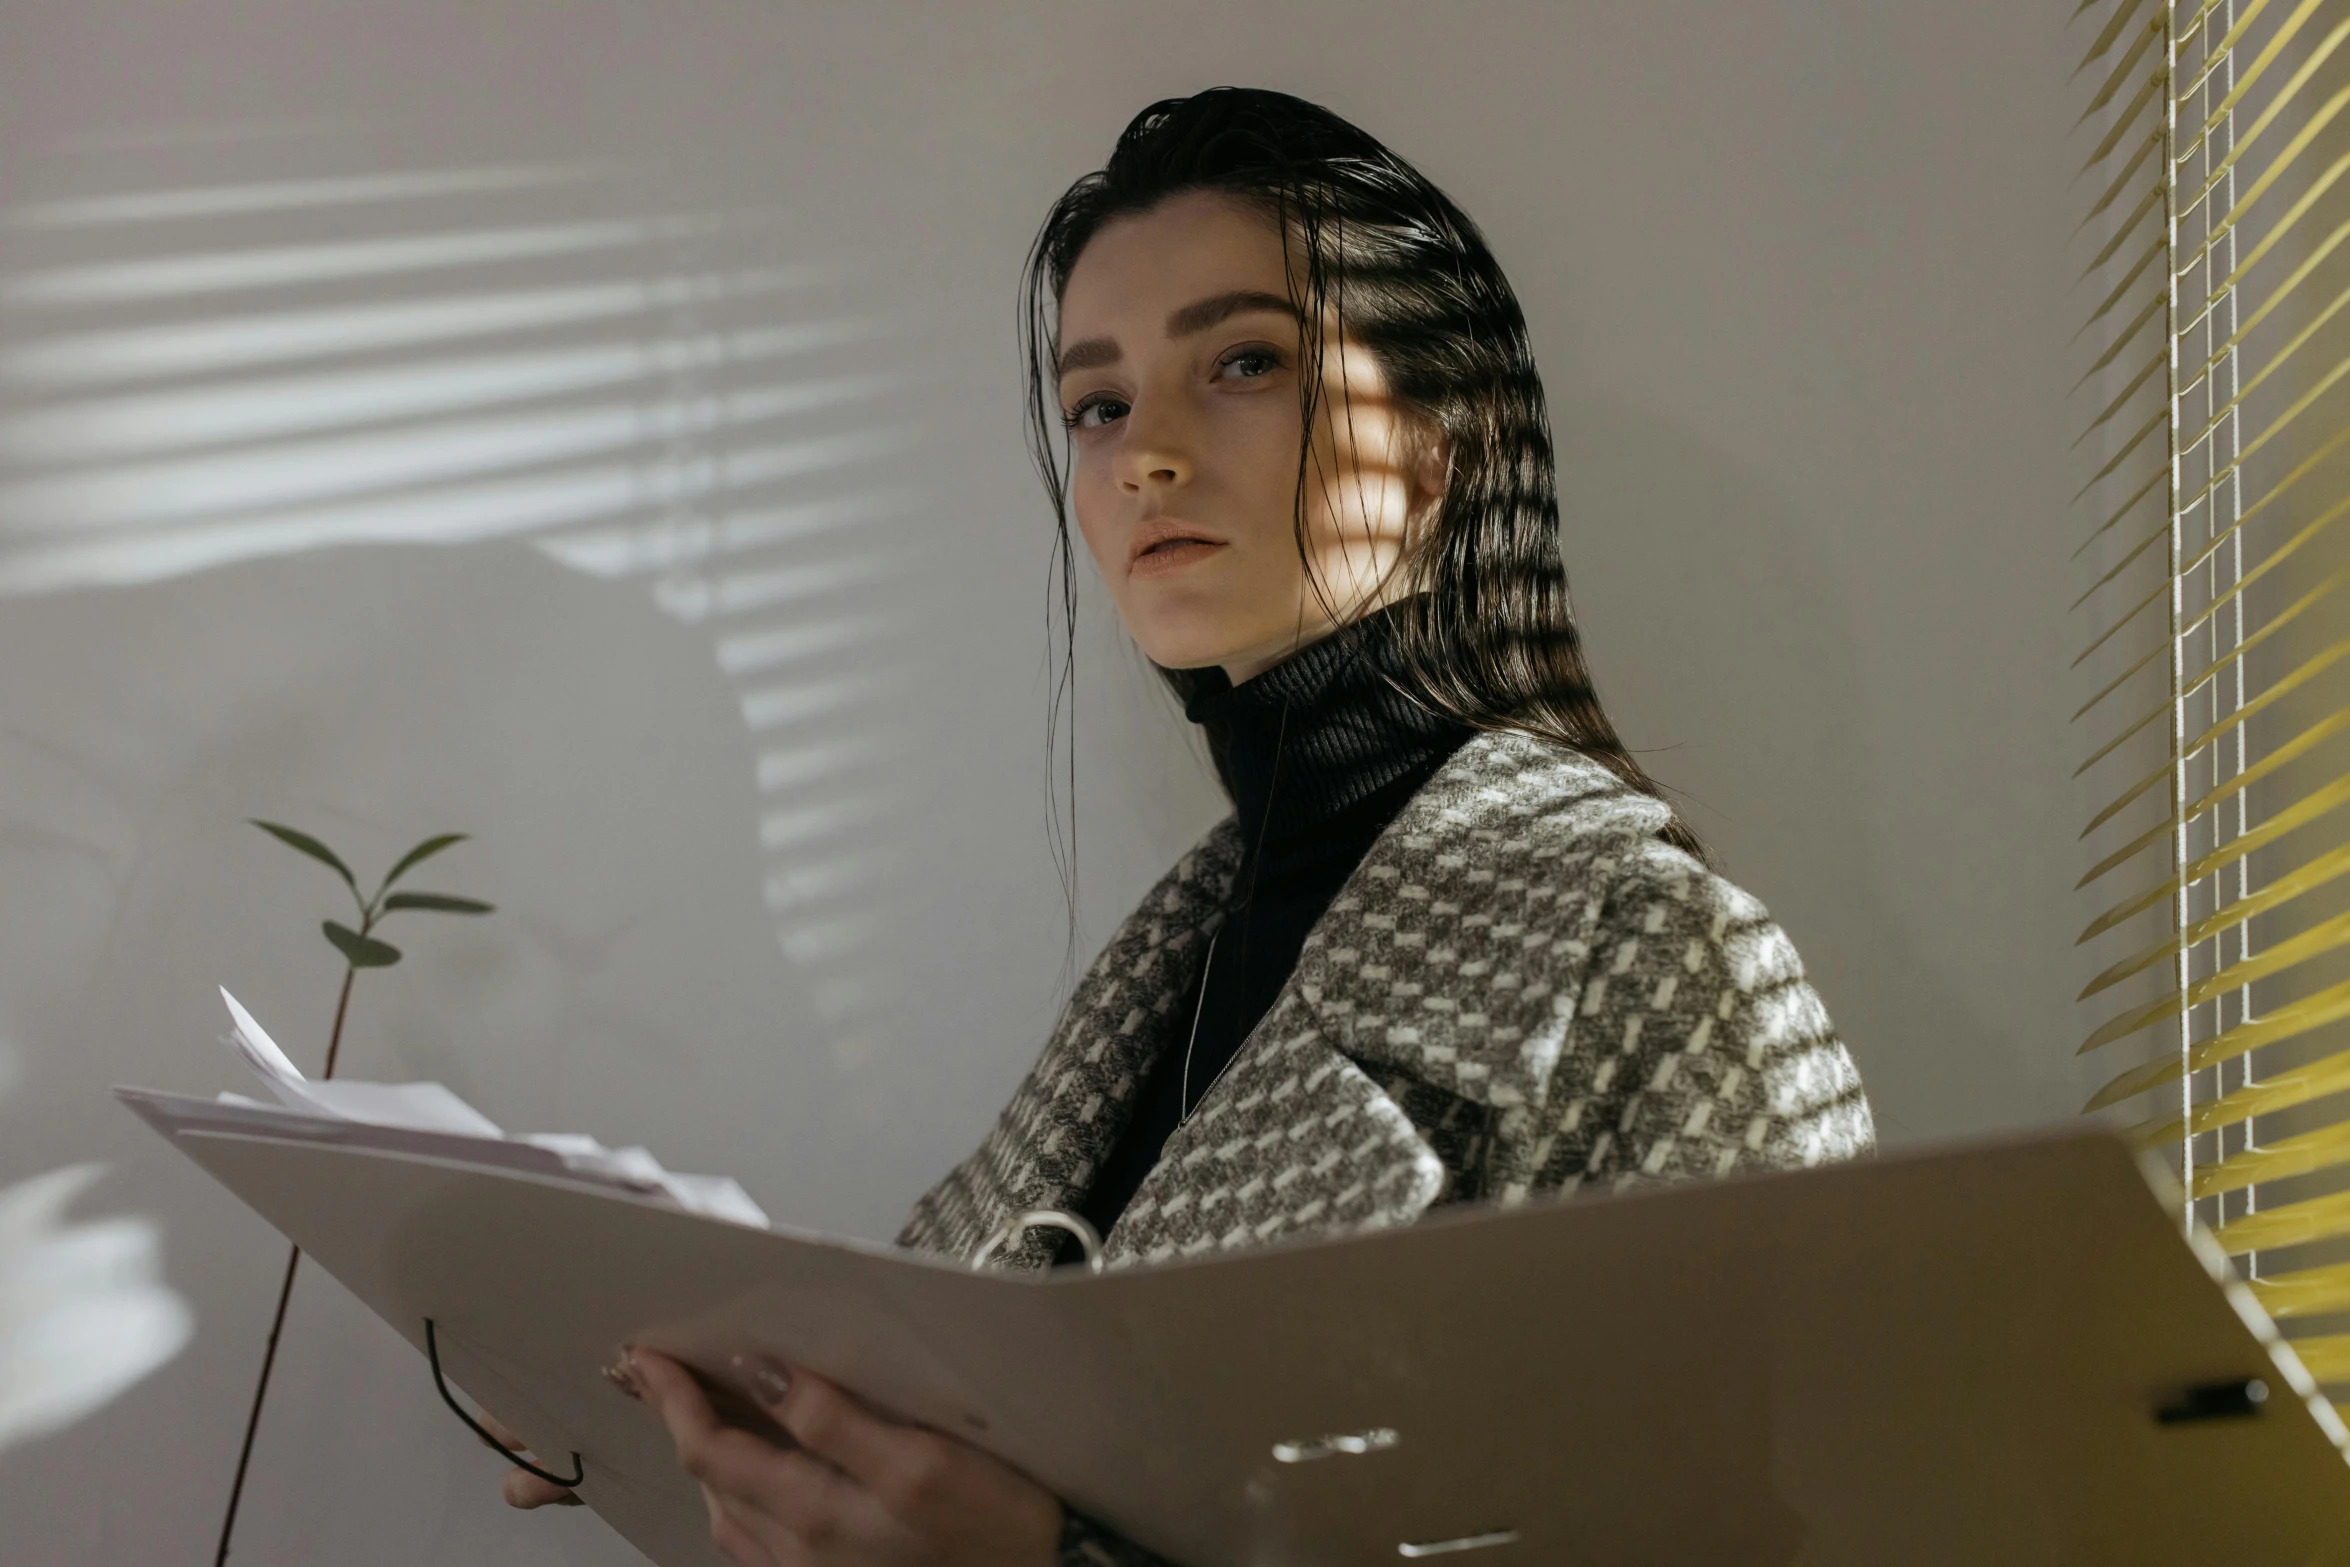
[(1997, 1354)]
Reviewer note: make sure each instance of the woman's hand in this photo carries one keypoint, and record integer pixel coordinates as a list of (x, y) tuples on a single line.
[(860, 1490)]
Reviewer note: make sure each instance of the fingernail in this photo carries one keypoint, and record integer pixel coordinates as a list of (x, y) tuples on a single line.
[(767, 1384), (622, 1376)]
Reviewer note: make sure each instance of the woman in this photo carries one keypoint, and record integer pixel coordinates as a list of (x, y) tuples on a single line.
[(1452, 946)]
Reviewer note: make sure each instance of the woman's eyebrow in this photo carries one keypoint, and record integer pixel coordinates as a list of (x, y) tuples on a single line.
[(1201, 314), (1094, 352), (1091, 354)]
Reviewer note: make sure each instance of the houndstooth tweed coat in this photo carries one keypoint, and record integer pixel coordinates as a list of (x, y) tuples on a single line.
[(1523, 988)]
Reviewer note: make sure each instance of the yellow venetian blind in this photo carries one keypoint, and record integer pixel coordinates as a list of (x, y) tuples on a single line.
[(2215, 628)]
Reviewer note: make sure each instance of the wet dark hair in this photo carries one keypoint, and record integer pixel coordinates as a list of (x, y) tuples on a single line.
[(1486, 632)]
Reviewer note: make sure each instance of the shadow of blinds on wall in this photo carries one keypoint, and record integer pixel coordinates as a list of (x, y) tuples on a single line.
[(219, 349), (2214, 455)]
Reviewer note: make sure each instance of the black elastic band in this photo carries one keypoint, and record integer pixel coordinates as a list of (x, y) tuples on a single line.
[(432, 1352)]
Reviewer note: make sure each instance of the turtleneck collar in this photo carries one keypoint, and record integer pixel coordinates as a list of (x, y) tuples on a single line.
[(1320, 731)]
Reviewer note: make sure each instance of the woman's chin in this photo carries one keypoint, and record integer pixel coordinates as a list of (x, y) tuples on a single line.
[(1186, 660), (1239, 656), (1197, 630), (1192, 651)]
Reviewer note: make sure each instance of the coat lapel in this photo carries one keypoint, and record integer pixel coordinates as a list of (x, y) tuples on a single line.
[(1050, 1141), (1454, 957), (1293, 1138)]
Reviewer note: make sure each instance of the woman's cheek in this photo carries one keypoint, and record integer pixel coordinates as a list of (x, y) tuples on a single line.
[(1087, 498)]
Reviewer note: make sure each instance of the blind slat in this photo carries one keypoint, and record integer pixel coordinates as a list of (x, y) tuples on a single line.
[(2215, 704)]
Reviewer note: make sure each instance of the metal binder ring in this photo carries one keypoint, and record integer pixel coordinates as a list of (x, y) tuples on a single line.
[(432, 1352), (1020, 1224)]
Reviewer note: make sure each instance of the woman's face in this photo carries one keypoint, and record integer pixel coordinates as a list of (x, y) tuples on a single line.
[(1179, 374)]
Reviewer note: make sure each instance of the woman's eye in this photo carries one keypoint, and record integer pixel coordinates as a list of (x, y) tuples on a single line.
[(1095, 412), (1247, 364)]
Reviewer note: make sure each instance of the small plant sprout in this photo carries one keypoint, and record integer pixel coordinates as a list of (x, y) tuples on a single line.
[(361, 948)]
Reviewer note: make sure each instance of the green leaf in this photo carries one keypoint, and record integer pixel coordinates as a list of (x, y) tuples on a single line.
[(310, 846), (362, 951), (422, 852), (440, 902)]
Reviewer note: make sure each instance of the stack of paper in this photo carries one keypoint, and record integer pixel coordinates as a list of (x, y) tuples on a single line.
[(426, 1118)]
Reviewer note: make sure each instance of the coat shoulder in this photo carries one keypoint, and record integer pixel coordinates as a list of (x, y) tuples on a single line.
[(1530, 965), (1697, 1046), (1533, 793)]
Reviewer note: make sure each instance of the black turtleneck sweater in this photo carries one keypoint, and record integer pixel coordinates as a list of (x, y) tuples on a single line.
[(1319, 753)]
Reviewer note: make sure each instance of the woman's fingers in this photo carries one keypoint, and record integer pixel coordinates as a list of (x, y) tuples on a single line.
[(857, 1488), (925, 1493), (675, 1396), (787, 1499), (896, 1462), (522, 1488), (526, 1490), (922, 1481), (735, 1542)]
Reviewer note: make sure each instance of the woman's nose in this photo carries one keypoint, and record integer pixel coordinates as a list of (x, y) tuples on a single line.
[(1159, 470), (1153, 455)]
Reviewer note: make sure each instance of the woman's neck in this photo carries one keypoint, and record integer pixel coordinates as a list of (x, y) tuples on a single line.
[(1242, 670), (1318, 731)]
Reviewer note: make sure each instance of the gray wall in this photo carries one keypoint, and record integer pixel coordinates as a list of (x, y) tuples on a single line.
[(594, 427)]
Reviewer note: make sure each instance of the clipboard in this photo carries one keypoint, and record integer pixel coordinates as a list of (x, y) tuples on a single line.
[(2002, 1352)]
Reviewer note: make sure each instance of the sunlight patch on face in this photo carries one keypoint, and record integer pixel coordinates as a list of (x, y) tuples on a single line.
[(1187, 444)]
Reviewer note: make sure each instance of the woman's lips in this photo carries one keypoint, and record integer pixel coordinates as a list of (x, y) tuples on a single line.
[(1173, 555), (1162, 547)]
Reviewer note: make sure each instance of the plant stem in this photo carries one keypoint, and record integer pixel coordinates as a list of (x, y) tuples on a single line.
[(334, 1041), (236, 1491), (277, 1323)]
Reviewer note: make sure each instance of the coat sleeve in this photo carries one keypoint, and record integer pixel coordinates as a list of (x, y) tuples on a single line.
[(1697, 1048)]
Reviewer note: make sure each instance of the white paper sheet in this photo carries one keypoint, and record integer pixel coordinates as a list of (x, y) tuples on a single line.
[(420, 1107), (432, 1108)]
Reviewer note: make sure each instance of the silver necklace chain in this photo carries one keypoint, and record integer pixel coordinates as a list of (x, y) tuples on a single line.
[(1184, 1106)]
